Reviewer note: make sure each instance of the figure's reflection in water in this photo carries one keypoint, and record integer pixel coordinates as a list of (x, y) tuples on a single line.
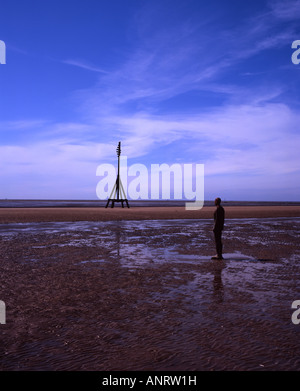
[(218, 286)]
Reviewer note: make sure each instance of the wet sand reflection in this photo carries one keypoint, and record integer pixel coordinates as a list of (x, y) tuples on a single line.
[(145, 295)]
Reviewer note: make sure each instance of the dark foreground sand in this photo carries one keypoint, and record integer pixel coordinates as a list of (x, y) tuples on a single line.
[(141, 294)]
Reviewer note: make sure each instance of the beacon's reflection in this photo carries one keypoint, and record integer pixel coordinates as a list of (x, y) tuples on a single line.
[(218, 286), (118, 237)]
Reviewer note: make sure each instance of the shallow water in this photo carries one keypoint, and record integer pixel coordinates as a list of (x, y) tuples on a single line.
[(141, 295)]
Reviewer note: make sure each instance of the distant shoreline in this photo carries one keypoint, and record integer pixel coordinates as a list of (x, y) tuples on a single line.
[(67, 214), (43, 203)]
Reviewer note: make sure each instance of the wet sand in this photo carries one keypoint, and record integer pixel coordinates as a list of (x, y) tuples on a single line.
[(8, 215), (84, 291)]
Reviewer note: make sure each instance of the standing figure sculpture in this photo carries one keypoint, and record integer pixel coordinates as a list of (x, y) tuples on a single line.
[(219, 216)]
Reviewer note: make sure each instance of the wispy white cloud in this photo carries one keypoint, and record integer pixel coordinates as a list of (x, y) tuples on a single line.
[(245, 131), (21, 124), (188, 56), (286, 9), (16, 49), (84, 65), (242, 141)]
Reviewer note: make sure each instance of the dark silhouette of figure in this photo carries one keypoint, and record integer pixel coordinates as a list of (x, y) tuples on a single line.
[(219, 216)]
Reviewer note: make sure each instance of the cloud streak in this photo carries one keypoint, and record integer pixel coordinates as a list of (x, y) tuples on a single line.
[(84, 65)]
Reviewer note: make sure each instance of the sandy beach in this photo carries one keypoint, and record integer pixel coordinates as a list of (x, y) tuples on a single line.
[(135, 289), (9, 215)]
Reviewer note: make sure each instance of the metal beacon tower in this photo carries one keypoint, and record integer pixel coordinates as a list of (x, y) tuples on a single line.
[(118, 189)]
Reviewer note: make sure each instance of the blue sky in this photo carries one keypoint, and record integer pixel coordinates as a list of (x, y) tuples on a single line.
[(186, 81)]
